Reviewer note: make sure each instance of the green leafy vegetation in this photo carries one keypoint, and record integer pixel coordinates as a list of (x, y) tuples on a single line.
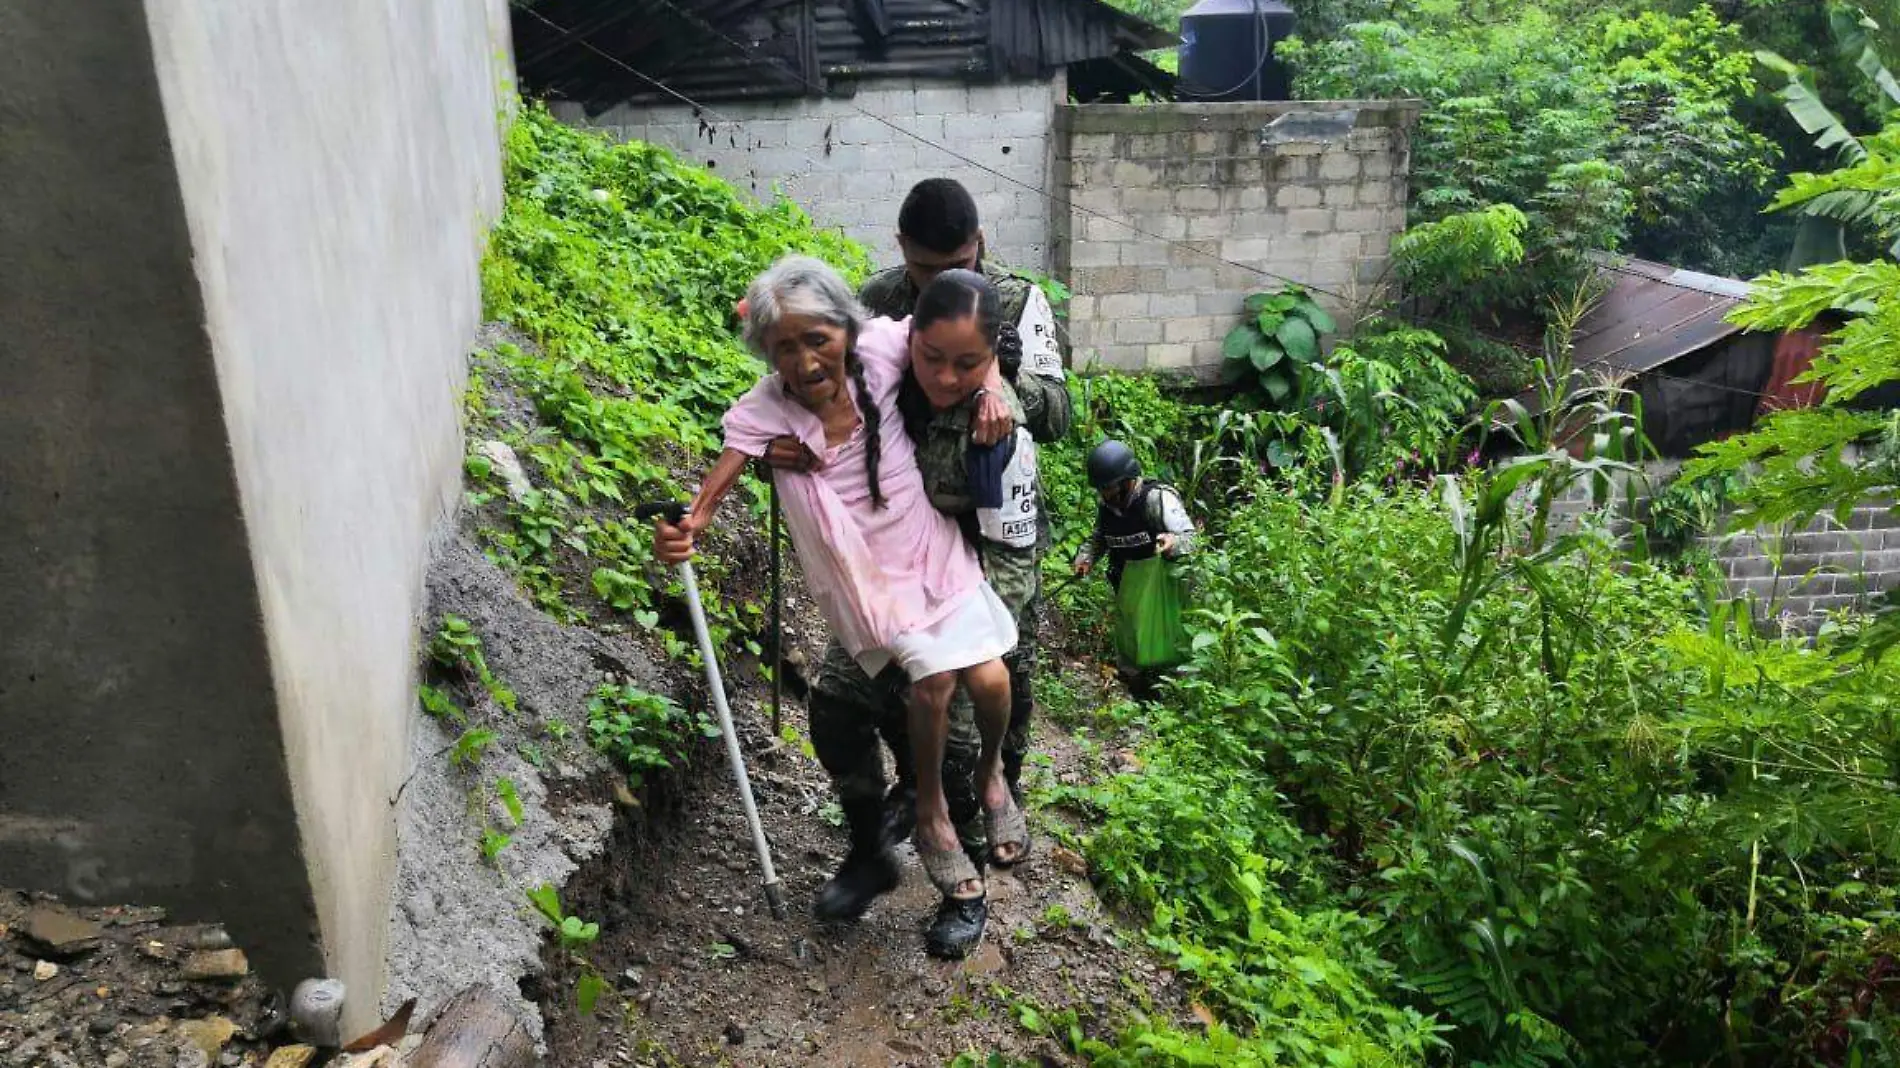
[(1443, 782), (456, 656), (1434, 784), (575, 936), (469, 747), (642, 732), (1277, 340)]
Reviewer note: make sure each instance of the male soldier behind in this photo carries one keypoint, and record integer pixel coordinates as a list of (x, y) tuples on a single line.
[(938, 230)]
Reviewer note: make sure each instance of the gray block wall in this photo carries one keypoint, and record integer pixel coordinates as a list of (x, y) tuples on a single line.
[(1824, 567), (1795, 577), (1176, 212), (852, 171)]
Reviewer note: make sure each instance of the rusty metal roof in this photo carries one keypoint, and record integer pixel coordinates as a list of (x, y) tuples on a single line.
[(714, 50), (1652, 313)]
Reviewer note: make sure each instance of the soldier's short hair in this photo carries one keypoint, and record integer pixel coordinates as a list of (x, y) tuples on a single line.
[(939, 214)]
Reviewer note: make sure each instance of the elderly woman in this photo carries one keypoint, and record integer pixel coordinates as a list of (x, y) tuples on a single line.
[(894, 577)]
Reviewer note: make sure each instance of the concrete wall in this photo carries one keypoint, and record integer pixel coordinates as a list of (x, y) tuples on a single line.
[(339, 162), (852, 172), (142, 760), (252, 234), (1175, 210)]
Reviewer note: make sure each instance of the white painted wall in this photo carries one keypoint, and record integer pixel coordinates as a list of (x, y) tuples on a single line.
[(339, 162), (859, 184)]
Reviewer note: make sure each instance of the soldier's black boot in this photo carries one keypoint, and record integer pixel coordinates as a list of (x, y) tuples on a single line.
[(957, 929), (869, 870), (1013, 773), (900, 813)]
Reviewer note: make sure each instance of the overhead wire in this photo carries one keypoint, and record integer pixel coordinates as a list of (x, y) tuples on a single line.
[(1066, 203)]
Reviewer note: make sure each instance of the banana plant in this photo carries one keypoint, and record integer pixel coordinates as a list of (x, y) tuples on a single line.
[(1826, 214)]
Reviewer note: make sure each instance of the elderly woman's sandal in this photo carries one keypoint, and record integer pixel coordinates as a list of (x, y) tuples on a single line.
[(1008, 826), (958, 926)]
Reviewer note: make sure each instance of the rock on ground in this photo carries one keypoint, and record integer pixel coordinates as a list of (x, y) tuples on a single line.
[(123, 991)]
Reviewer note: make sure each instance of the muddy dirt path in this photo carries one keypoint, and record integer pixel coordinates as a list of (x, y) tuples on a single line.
[(702, 975)]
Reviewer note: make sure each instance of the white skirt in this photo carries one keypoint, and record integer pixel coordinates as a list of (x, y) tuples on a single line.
[(979, 630)]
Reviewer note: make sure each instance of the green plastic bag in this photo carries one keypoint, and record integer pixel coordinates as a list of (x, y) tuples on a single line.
[(1148, 631)]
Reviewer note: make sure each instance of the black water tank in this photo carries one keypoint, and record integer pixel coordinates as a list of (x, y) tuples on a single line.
[(1227, 50)]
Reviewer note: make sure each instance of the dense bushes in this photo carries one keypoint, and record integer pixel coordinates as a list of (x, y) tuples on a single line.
[(1444, 785), (1586, 825)]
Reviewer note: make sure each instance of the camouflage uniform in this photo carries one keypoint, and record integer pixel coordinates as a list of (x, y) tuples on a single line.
[(1037, 377)]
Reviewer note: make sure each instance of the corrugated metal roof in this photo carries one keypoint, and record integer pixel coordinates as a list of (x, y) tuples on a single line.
[(573, 49), (1652, 313)]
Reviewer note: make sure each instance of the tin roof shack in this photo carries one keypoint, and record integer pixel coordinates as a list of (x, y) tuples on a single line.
[(1700, 377), (1665, 333), (728, 50)]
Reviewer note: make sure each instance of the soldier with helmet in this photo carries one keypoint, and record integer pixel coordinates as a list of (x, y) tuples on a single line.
[(1141, 526)]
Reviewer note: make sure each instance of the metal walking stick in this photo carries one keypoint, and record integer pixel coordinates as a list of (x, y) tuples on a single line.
[(674, 513)]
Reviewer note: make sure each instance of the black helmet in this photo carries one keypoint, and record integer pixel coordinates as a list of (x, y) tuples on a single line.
[(1112, 462)]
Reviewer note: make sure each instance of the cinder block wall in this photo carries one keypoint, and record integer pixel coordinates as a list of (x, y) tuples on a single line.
[(1822, 568), (1175, 209), (1795, 576), (851, 171)]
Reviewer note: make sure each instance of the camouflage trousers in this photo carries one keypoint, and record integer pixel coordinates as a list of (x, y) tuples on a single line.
[(851, 711)]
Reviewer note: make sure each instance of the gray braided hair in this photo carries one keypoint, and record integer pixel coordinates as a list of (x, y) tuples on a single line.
[(801, 285)]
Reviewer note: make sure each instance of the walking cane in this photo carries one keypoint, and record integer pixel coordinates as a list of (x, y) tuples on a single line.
[(674, 513)]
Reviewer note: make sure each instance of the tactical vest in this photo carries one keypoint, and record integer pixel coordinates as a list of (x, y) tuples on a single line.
[(1130, 533)]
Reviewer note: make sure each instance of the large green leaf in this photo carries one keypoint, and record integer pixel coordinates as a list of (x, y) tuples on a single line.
[(1265, 354), (1277, 385), (1852, 35), (1296, 335), (1316, 315), (1804, 106), (1239, 342)]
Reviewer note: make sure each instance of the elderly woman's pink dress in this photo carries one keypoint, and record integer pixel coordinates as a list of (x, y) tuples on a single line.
[(895, 583)]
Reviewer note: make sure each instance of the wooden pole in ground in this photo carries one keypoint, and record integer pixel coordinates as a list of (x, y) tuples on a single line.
[(478, 1028), (778, 622)]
